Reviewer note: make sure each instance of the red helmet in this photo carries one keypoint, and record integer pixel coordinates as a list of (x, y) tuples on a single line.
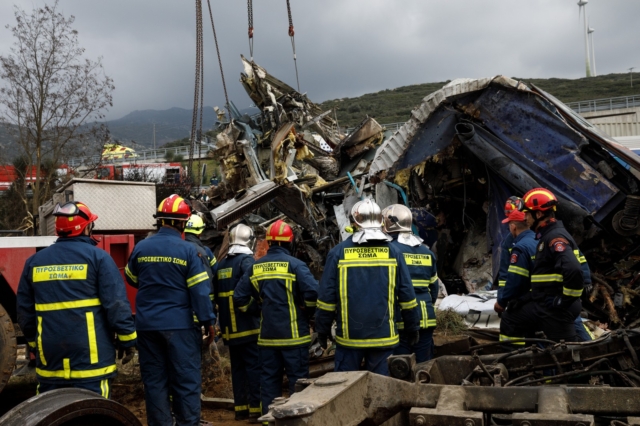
[(513, 203), (279, 231), (72, 218), (540, 199), (173, 207)]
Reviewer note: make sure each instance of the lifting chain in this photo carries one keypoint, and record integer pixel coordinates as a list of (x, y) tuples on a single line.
[(250, 14), (215, 38), (293, 42), (198, 90)]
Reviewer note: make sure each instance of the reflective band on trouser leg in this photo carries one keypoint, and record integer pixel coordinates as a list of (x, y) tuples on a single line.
[(93, 344), (40, 349), (241, 408), (508, 339), (104, 388), (502, 283)]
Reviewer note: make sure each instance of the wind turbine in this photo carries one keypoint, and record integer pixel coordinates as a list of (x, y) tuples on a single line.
[(590, 31), (582, 5)]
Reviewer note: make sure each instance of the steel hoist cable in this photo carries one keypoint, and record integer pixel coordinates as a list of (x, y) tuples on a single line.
[(197, 89), (293, 42), (250, 17), (215, 39)]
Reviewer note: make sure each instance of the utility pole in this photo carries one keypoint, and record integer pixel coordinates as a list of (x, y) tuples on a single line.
[(154, 135), (631, 75)]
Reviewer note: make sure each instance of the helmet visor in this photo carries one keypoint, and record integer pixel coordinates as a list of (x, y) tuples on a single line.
[(69, 209)]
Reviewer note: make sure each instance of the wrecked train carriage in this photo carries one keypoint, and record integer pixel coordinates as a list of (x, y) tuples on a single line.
[(473, 143)]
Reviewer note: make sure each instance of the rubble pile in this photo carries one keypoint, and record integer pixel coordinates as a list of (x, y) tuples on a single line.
[(465, 149)]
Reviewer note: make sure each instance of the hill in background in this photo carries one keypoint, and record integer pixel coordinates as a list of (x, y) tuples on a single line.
[(395, 105)]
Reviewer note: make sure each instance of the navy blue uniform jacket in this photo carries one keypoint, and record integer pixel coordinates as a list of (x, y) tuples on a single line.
[(518, 279), (71, 301)]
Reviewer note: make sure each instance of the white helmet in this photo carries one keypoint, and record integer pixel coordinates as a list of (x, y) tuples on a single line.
[(241, 239), (366, 214), (397, 218)]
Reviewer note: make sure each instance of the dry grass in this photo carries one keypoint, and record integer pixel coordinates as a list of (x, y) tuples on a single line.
[(450, 323)]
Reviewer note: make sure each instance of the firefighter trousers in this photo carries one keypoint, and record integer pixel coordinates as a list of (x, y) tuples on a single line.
[(277, 361), (535, 315), (170, 367), (101, 387), (245, 378), (375, 359), (423, 349)]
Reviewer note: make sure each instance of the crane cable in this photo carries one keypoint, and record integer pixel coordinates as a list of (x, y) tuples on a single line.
[(293, 41), (250, 16), (199, 84), (215, 38)]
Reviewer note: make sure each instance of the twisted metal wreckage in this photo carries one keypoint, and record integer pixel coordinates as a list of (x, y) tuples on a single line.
[(465, 149)]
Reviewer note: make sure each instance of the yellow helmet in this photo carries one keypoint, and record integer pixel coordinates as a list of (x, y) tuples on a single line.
[(195, 225)]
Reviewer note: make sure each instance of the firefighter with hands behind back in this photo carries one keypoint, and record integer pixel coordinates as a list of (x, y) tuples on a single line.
[(422, 267), (364, 279), (173, 284), (71, 302), (239, 329), (286, 292)]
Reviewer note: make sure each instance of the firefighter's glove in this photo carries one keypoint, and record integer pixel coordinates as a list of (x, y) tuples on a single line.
[(126, 354), (413, 337), (588, 288), (322, 339)]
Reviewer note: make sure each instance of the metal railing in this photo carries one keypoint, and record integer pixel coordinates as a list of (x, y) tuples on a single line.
[(145, 155), (606, 104)]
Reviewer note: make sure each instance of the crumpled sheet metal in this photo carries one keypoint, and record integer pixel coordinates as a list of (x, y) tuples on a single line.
[(391, 150)]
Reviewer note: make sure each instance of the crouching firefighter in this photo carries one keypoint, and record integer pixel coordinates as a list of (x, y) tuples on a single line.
[(422, 267), (71, 301), (239, 329), (287, 293), (364, 278), (517, 287)]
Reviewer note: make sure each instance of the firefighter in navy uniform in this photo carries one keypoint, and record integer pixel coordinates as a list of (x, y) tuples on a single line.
[(364, 279), (239, 329), (557, 277), (173, 284), (421, 261), (516, 290), (71, 302), (512, 203), (287, 293)]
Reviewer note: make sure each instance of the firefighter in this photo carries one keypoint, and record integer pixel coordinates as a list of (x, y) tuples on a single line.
[(239, 329), (515, 292), (512, 203), (364, 278), (422, 267), (192, 232), (286, 292), (173, 284), (71, 301), (557, 278)]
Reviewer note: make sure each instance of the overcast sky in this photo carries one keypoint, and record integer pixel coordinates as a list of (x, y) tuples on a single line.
[(345, 48)]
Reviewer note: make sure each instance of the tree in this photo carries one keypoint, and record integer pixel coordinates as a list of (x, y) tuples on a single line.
[(51, 96)]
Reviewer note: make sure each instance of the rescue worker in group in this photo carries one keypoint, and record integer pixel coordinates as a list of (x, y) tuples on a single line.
[(286, 292), (173, 285), (239, 329), (557, 278), (71, 301), (517, 287), (422, 267), (512, 203), (365, 278), (192, 231)]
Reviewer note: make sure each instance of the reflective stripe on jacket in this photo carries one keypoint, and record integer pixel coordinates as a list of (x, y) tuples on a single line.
[(286, 292), (518, 279), (237, 327), (360, 288), (71, 301), (172, 283), (421, 263), (557, 271)]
